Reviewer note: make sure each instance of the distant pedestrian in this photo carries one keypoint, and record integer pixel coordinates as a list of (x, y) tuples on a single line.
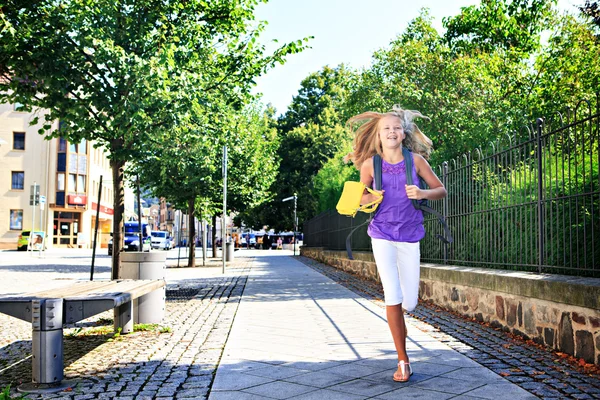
[(279, 243), (397, 226)]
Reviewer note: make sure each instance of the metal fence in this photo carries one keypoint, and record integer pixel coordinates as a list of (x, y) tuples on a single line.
[(530, 203)]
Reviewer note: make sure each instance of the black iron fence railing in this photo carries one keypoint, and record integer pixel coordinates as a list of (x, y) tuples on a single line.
[(531, 206)]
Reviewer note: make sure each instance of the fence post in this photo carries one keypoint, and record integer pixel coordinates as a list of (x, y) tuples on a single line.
[(540, 204), (445, 205)]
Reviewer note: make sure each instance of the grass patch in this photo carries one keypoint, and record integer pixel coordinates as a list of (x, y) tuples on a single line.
[(5, 394), (151, 327), (94, 331), (109, 330)]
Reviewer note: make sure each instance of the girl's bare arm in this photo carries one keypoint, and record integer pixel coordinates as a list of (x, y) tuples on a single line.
[(436, 189)]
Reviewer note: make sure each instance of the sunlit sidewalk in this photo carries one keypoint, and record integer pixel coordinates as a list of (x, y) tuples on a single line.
[(298, 334)]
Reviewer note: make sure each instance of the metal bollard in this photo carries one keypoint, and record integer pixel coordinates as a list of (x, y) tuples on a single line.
[(149, 308), (124, 318), (47, 348)]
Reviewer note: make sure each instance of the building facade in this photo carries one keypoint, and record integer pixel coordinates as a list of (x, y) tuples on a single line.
[(66, 174)]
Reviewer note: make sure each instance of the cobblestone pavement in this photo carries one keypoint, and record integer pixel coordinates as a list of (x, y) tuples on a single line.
[(178, 364), (537, 370)]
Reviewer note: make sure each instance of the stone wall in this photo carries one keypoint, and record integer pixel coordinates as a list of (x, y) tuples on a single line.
[(559, 311)]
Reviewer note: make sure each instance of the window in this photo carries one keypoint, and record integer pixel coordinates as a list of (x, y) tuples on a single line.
[(16, 220), (60, 198), (18, 140), (62, 145), (19, 107), (18, 180), (61, 162), (80, 183), (72, 183), (60, 181)]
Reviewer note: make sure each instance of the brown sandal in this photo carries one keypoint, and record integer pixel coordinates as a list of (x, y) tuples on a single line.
[(405, 372)]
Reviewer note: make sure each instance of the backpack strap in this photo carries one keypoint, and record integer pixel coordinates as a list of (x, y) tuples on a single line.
[(377, 168), (377, 171), (423, 205)]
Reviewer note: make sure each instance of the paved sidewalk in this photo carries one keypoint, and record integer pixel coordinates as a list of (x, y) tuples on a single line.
[(538, 370), (298, 334)]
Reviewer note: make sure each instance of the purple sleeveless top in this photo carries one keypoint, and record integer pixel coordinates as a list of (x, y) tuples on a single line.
[(397, 219)]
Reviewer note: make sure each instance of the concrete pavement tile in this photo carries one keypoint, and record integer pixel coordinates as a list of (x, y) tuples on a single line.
[(483, 375), (364, 387), (448, 385), (431, 368), (279, 390), (501, 391), (235, 396), (241, 366), (412, 392), (386, 376), (238, 381), (451, 357), (277, 372), (265, 355), (354, 370), (313, 364), (324, 394), (320, 379), (388, 362)]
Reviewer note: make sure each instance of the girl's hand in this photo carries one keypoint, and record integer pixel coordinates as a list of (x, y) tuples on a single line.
[(369, 197), (414, 193)]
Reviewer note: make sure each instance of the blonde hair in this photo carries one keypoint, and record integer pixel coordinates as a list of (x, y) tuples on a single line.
[(366, 140)]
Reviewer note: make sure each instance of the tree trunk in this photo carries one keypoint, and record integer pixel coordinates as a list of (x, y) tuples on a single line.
[(192, 233), (119, 213), (214, 236)]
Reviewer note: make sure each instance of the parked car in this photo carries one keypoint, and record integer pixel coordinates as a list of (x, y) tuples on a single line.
[(131, 241), (161, 240), (37, 240)]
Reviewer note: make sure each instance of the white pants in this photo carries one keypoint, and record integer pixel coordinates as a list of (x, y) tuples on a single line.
[(399, 267)]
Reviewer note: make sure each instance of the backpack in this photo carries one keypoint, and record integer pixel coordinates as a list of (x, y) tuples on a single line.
[(422, 205)]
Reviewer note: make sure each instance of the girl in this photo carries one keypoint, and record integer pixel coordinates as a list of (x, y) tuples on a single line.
[(397, 227)]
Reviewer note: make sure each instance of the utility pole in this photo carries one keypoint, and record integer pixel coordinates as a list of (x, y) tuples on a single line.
[(34, 200), (295, 198), (224, 221), (139, 210)]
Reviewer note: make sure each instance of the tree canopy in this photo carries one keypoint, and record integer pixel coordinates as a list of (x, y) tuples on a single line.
[(124, 73)]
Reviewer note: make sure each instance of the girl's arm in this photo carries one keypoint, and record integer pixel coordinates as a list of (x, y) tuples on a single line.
[(436, 189), (366, 177)]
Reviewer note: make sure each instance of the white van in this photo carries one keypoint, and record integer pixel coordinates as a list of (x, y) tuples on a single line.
[(161, 240)]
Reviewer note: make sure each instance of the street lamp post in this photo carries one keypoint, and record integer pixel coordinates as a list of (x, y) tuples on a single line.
[(295, 198)]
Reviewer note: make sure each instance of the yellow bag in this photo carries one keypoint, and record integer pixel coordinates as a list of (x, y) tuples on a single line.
[(349, 203)]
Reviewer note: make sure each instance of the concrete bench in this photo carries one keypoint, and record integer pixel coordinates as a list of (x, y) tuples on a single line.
[(48, 311)]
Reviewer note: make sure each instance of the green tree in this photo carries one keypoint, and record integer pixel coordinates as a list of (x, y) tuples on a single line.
[(567, 71), (252, 144), (310, 133), (122, 73), (186, 167), (499, 24), (329, 181), (592, 10)]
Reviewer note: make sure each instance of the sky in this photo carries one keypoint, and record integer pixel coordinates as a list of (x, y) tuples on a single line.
[(345, 31)]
